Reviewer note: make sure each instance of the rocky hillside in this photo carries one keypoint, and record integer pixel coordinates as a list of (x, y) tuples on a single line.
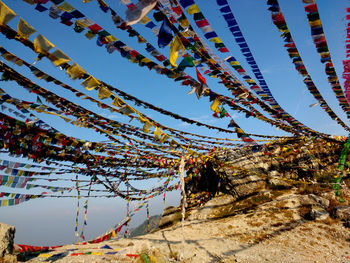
[(271, 204), (274, 226)]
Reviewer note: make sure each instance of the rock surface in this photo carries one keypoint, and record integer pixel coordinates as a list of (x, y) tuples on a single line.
[(170, 216)]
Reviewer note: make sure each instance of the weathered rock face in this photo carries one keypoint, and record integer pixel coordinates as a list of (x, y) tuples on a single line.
[(170, 216), (242, 172), (7, 235)]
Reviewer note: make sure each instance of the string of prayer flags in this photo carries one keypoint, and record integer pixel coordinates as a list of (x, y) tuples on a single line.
[(283, 114), (193, 10), (90, 87), (14, 181), (190, 81), (12, 164), (262, 91), (262, 118), (280, 23), (321, 45)]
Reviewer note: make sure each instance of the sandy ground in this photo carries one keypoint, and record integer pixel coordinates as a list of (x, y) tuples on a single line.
[(273, 232)]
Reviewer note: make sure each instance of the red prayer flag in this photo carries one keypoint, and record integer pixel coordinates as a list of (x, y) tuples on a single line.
[(200, 78), (311, 8), (223, 50), (202, 23)]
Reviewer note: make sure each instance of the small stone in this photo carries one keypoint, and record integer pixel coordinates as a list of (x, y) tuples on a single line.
[(317, 213)]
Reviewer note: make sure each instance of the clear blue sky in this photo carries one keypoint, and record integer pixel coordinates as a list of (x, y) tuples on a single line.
[(51, 221)]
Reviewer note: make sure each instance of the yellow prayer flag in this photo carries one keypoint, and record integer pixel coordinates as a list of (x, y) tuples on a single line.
[(141, 118), (24, 29), (127, 109), (175, 47), (4, 202), (325, 55), (146, 60), (146, 127), (58, 58), (215, 105), (90, 83), (164, 138), (9, 181), (316, 23), (157, 133), (234, 63), (184, 22), (66, 7), (215, 40), (111, 38), (81, 23), (330, 79), (193, 9), (42, 45), (118, 102), (89, 35), (114, 234), (104, 93), (6, 14), (75, 71)]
